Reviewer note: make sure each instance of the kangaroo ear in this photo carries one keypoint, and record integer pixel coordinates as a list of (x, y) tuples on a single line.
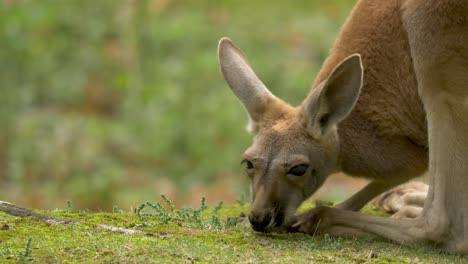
[(242, 79), (333, 99)]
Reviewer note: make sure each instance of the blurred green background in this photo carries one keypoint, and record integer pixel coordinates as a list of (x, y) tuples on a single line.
[(113, 102)]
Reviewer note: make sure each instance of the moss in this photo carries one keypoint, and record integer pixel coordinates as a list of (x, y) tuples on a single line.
[(185, 241)]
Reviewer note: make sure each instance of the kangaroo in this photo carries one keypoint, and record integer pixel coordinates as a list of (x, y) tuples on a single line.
[(389, 104)]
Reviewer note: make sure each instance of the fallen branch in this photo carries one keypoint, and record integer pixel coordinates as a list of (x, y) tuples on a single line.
[(14, 210)]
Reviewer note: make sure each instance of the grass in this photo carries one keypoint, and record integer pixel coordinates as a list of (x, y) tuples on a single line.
[(187, 235)]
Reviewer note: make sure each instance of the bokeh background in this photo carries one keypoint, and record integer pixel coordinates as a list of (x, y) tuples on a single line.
[(113, 102)]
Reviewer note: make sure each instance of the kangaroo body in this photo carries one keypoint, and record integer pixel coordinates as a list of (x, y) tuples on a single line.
[(390, 103), (385, 136)]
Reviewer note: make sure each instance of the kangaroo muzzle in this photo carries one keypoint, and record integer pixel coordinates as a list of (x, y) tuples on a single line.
[(265, 221)]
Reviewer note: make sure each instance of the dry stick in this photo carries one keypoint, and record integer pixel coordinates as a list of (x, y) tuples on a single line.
[(316, 228), (14, 210)]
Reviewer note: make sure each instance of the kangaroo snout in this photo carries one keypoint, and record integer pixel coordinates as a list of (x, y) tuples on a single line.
[(265, 221), (260, 222)]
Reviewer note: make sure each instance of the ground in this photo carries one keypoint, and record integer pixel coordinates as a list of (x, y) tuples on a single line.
[(203, 235)]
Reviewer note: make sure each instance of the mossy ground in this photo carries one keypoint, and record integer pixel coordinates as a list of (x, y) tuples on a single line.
[(185, 238)]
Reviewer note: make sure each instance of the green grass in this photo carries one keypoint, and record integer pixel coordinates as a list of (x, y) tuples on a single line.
[(184, 239)]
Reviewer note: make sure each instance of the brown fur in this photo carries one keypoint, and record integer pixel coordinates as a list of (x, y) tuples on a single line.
[(406, 200), (369, 123), (389, 114)]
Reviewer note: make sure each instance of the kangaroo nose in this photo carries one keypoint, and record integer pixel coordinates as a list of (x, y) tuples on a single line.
[(259, 222)]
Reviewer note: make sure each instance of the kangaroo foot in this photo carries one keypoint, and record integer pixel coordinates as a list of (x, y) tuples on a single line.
[(404, 201)]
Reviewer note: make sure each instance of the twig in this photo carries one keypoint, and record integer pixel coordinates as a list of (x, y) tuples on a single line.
[(122, 230), (316, 228), (14, 210)]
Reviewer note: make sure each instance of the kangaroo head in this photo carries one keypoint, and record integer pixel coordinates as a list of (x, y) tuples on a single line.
[(294, 148)]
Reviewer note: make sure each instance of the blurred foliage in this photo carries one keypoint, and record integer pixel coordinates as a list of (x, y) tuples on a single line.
[(115, 101)]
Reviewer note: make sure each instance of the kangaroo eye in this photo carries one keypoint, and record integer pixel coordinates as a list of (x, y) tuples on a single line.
[(298, 170), (248, 165)]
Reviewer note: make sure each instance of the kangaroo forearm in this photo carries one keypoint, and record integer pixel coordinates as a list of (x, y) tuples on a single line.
[(361, 198)]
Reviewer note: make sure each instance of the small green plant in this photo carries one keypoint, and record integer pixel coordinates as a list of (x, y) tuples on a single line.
[(196, 213), (168, 213), (161, 211), (215, 223), (233, 221), (218, 207), (242, 200), (184, 213), (69, 208), (26, 254), (116, 210), (168, 202), (158, 210)]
